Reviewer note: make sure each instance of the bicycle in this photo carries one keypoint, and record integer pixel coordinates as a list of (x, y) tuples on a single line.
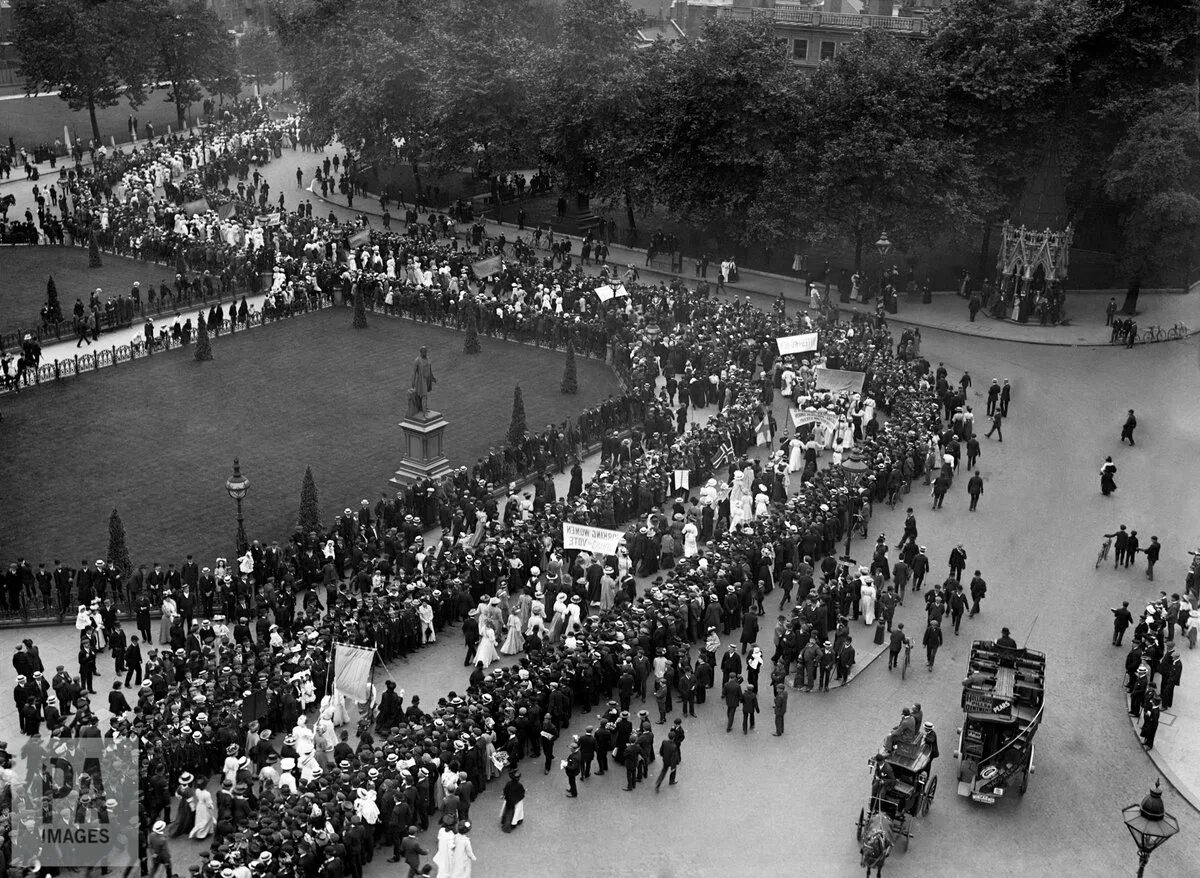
[(1153, 333), (1104, 547), (1178, 331), (908, 645)]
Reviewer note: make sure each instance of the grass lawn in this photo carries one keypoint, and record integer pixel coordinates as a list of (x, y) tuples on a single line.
[(24, 271), (157, 439), (40, 120)]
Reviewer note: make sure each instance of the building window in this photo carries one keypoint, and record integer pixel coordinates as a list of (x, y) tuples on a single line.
[(827, 50), (800, 50)]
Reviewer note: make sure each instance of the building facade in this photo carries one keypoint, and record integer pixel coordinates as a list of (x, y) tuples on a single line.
[(811, 32)]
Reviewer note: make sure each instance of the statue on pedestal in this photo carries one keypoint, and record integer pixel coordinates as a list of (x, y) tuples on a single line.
[(422, 384)]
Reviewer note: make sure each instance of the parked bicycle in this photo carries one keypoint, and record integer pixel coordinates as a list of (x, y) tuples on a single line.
[(1153, 333), (1179, 330)]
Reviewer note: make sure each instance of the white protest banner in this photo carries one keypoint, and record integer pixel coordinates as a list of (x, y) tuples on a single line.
[(796, 344), (352, 673), (593, 539), (680, 479), (838, 380), (800, 418), (604, 292), (487, 267), (621, 291)]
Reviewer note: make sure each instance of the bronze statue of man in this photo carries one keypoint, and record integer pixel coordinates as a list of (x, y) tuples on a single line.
[(422, 380)]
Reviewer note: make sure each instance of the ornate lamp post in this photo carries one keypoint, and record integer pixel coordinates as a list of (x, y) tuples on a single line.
[(1149, 824), (853, 469), (238, 485), (884, 246)]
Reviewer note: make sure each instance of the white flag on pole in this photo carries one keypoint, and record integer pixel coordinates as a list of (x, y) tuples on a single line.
[(352, 674)]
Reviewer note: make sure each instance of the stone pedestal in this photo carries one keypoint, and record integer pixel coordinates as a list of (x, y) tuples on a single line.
[(424, 453)]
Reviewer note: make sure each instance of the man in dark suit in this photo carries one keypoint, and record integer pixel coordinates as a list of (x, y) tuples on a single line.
[(975, 489), (749, 708), (62, 587), (133, 661), (732, 693), (411, 850), (117, 705), (670, 760), (471, 636)]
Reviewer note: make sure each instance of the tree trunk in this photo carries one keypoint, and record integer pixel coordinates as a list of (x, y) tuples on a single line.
[(629, 210), (984, 246), (179, 105), (858, 248), (92, 116)]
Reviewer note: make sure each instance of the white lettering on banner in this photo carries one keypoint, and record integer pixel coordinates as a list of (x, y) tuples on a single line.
[(800, 418), (838, 380), (797, 344), (592, 539)]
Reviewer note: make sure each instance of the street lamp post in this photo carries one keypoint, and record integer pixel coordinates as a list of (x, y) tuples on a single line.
[(238, 485), (884, 246), (1149, 824), (853, 469)]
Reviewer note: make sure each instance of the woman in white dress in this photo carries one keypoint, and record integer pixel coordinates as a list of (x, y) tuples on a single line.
[(574, 615), (462, 855), (795, 454), (690, 532), (762, 503), (737, 493), (445, 844), (559, 619), (866, 601), (787, 382), (169, 611), (206, 815), (535, 628), (486, 652), (514, 641)]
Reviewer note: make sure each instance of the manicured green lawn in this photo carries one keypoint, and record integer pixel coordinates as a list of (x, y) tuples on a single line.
[(40, 120), (156, 439), (24, 271)]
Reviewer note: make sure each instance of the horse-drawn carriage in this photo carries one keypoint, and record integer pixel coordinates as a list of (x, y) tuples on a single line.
[(902, 787), (1003, 701)]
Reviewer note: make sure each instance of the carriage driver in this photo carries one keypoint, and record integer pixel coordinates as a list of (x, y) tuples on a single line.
[(884, 778)]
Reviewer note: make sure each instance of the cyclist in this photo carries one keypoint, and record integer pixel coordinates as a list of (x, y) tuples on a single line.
[(897, 642)]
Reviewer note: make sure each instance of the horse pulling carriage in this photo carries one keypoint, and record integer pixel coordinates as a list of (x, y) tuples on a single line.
[(902, 787), (1003, 700)]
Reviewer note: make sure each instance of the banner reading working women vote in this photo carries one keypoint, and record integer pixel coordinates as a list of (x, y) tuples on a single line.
[(800, 418), (591, 539), (838, 380), (797, 344)]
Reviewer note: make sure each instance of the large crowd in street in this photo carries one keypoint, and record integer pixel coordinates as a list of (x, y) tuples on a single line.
[(246, 742)]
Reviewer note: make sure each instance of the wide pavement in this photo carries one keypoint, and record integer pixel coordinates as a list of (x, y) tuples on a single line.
[(762, 805)]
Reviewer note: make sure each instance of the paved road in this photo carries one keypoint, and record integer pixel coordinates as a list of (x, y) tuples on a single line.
[(766, 805)]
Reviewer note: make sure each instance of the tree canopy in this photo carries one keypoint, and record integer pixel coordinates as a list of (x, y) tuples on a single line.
[(80, 49)]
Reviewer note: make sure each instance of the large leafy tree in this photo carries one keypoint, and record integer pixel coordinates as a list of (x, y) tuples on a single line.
[(440, 81), (1153, 174), (706, 118), (358, 69), (258, 56), (82, 49), (192, 52), (873, 153), (583, 87)]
